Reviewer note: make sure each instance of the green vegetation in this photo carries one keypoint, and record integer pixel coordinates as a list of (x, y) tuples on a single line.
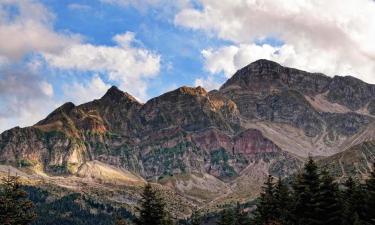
[(15, 207), (221, 158), (152, 211)]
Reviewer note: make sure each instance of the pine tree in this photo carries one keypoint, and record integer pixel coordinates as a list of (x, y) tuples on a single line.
[(227, 217), (353, 199), (152, 211), (329, 203), (306, 192), (240, 217), (196, 218), (283, 202), (120, 221), (266, 208), (370, 198), (15, 207)]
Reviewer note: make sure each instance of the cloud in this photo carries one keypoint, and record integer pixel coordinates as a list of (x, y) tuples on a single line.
[(335, 37), (81, 7), (79, 92), (25, 98), (26, 26), (125, 64), (208, 83), (144, 4)]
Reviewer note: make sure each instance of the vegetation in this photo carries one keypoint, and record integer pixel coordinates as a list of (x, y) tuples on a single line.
[(15, 207), (152, 211), (312, 197)]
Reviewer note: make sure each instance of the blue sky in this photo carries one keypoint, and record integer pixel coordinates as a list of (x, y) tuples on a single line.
[(181, 61), (53, 51)]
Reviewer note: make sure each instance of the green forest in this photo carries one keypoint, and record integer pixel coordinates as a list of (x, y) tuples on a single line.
[(311, 197)]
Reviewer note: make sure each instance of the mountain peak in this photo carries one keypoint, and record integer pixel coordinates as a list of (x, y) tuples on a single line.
[(116, 94)]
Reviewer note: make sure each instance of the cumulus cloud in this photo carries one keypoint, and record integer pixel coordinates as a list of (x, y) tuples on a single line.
[(125, 64), (144, 4), (28, 28), (209, 83), (335, 37), (25, 98), (79, 92)]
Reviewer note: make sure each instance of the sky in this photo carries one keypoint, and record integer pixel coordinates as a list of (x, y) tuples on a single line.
[(54, 51)]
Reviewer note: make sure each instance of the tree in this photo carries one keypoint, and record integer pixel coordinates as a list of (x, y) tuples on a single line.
[(120, 221), (266, 208), (196, 218), (306, 192), (353, 198), (240, 217), (329, 203), (283, 203), (370, 198), (227, 217), (15, 207), (152, 208)]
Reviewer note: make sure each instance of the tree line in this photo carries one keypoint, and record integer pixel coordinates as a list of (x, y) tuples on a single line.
[(311, 197)]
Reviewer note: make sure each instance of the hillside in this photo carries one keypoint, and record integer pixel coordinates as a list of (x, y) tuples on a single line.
[(206, 147)]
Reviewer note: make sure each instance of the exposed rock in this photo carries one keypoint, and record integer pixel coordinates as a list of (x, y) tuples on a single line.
[(264, 120)]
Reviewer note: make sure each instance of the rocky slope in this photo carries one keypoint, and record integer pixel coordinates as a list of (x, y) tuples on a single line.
[(207, 146)]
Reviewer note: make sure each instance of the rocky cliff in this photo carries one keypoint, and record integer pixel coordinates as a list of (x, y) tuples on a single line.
[(265, 119)]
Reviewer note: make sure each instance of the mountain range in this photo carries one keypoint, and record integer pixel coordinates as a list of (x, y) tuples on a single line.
[(203, 148)]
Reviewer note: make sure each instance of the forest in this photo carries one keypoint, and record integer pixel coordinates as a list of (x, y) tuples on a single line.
[(310, 197)]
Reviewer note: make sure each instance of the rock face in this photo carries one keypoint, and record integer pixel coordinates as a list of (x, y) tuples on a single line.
[(265, 119)]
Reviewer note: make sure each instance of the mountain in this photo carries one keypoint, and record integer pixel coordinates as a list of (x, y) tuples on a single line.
[(206, 147)]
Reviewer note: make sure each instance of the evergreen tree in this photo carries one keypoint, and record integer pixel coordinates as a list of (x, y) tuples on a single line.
[(15, 207), (240, 217), (227, 217), (196, 218), (370, 198), (353, 202), (306, 192), (283, 203), (120, 221), (329, 203), (152, 211), (266, 208)]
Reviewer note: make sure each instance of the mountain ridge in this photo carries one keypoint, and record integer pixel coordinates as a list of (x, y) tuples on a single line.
[(266, 119)]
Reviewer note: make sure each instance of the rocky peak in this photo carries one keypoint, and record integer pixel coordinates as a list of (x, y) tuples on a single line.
[(264, 76), (350, 92), (66, 108), (116, 95), (191, 91)]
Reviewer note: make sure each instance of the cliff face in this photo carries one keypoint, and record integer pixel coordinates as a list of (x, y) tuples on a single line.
[(265, 119)]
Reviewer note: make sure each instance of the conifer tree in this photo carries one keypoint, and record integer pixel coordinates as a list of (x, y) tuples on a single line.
[(329, 203), (227, 217), (370, 198), (120, 221), (283, 203), (353, 199), (15, 207), (266, 209), (152, 211), (196, 218), (240, 217), (306, 192)]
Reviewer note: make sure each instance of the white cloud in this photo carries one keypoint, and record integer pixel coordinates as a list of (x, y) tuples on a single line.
[(25, 98), (28, 28), (335, 36), (208, 83), (144, 4), (129, 66), (81, 7), (84, 92)]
